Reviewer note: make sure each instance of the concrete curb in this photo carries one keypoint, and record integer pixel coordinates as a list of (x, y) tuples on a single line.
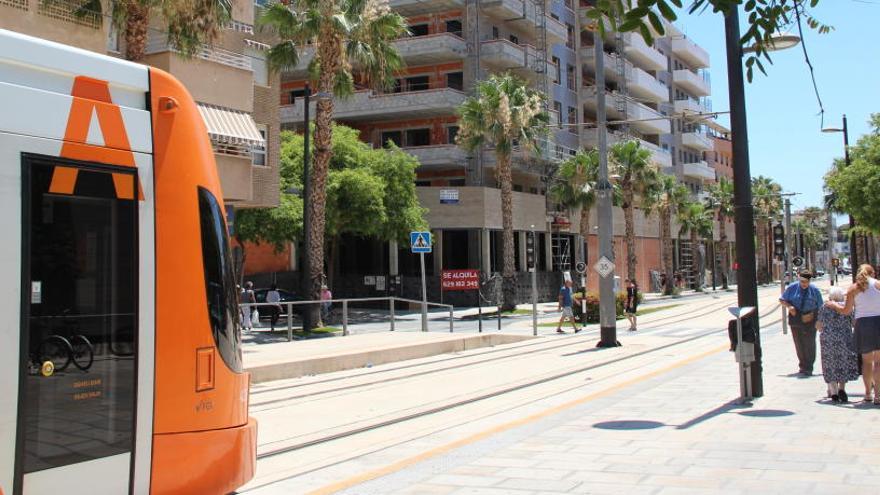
[(370, 357)]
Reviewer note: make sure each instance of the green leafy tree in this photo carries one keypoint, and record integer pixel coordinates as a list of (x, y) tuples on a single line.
[(765, 18), (666, 197), (632, 164), (695, 219), (768, 207), (852, 186), (576, 186), (503, 111), (189, 24), (720, 200), (349, 38)]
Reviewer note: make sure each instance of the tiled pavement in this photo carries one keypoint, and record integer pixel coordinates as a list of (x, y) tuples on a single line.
[(679, 432)]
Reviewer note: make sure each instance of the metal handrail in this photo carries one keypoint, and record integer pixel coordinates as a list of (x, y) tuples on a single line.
[(391, 300)]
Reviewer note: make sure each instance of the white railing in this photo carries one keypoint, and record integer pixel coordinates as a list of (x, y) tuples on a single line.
[(157, 44), (65, 10), (15, 4), (241, 27)]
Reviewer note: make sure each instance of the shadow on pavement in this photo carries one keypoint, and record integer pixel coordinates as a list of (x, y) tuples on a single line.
[(629, 425), (766, 413), (722, 409)]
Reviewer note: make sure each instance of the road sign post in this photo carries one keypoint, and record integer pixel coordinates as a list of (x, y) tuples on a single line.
[(420, 242), (581, 268)]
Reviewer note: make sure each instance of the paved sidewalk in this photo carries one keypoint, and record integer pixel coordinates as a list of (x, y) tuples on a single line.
[(679, 431)]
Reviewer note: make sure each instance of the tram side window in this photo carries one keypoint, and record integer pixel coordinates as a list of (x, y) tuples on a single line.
[(219, 281)]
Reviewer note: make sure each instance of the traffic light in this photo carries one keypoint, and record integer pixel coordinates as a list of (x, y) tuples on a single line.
[(530, 251), (779, 241)]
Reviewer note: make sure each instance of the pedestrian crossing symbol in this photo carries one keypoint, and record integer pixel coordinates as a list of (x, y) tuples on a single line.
[(420, 242)]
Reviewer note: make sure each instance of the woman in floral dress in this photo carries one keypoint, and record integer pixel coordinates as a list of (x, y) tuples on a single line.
[(839, 361)]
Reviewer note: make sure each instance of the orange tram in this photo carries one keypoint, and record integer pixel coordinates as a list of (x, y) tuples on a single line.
[(121, 358)]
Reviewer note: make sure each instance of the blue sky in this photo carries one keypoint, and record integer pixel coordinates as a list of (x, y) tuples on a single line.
[(785, 141)]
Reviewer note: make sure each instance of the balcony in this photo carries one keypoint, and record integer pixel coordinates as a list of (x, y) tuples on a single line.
[(369, 105), (698, 170), (416, 50), (697, 141), (689, 107), (660, 157), (610, 61), (505, 55), (644, 56), (691, 82), (480, 207), (647, 87), (408, 8), (438, 156), (645, 119), (524, 15), (691, 53)]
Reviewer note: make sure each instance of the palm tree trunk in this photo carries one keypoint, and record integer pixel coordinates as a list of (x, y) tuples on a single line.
[(666, 235), (136, 24), (628, 208), (318, 178), (695, 260), (762, 257), (508, 272)]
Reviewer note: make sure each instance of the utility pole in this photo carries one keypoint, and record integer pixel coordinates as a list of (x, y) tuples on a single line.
[(607, 304), (747, 284)]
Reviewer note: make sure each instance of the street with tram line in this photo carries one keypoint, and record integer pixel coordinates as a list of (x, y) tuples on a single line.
[(413, 427)]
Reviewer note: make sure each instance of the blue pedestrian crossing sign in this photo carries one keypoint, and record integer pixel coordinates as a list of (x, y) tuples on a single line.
[(420, 242)]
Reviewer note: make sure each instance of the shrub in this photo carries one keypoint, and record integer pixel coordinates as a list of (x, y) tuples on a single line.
[(593, 306)]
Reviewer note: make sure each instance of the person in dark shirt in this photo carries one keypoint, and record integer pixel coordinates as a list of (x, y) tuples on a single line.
[(803, 301), (632, 303), (566, 300)]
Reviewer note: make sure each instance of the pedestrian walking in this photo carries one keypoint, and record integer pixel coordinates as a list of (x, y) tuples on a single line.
[(326, 296), (566, 299), (803, 301), (863, 297), (839, 360), (273, 296), (247, 299), (632, 303)]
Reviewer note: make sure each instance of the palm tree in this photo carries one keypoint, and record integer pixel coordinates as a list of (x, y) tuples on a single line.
[(696, 220), (503, 111), (632, 164), (666, 196), (577, 186), (768, 205), (189, 25), (720, 200), (350, 38)]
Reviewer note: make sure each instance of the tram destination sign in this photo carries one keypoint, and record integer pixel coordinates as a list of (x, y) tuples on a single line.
[(460, 280)]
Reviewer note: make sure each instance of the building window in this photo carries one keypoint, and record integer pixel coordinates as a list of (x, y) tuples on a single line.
[(495, 33), (418, 137), (455, 80), (418, 83), (258, 153), (557, 76), (514, 39), (569, 73), (572, 120), (419, 30), (423, 183), (533, 190), (451, 133), (569, 40), (294, 95), (395, 137), (557, 107), (454, 26), (456, 182), (517, 188)]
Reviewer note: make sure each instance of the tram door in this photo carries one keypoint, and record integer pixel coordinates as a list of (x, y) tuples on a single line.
[(79, 328)]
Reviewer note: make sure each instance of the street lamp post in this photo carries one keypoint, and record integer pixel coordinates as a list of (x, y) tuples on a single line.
[(853, 260), (607, 304)]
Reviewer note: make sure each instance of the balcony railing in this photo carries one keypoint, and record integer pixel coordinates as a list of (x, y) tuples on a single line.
[(66, 10), (157, 44), (369, 105), (419, 7), (698, 170), (697, 140), (525, 14), (15, 4), (690, 52), (438, 155), (691, 82)]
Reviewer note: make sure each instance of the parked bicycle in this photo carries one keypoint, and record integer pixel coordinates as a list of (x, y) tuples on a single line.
[(62, 351)]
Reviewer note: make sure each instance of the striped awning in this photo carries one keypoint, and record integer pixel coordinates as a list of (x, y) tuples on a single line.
[(229, 126)]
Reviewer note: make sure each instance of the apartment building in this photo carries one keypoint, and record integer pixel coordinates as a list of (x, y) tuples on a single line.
[(454, 44), (236, 94)]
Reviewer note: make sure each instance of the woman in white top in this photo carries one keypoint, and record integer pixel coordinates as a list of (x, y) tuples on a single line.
[(864, 297)]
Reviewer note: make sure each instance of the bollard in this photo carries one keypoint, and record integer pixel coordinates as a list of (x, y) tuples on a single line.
[(344, 317), (391, 307), (289, 322), (450, 319)]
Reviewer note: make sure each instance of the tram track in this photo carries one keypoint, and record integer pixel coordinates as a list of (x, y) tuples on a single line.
[(437, 408), (507, 353)]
